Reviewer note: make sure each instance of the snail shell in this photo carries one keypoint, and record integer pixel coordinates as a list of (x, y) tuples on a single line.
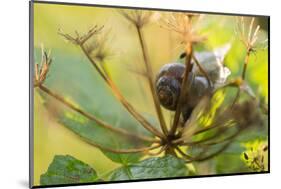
[(168, 84), (168, 88)]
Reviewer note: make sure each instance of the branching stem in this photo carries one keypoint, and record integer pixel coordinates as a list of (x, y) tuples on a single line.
[(183, 87), (181, 141), (120, 151), (91, 117), (184, 155), (163, 148), (224, 147), (202, 70), (121, 98), (151, 81)]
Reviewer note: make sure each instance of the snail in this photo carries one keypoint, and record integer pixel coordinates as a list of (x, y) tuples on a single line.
[(168, 88), (169, 79), (168, 84)]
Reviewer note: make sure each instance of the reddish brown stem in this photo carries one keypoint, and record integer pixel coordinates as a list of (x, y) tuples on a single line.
[(120, 151), (121, 98), (202, 70), (151, 82), (224, 147), (182, 153), (93, 118), (184, 88)]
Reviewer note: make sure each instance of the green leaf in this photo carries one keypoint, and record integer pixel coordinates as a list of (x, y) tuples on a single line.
[(157, 167), (65, 169), (90, 93)]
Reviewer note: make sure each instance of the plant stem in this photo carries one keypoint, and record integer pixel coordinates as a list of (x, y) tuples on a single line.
[(202, 70), (224, 147), (182, 153), (163, 148), (171, 151), (219, 141), (121, 98), (236, 97), (151, 82), (118, 151), (182, 142), (91, 117), (246, 62), (183, 88), (105, 69)]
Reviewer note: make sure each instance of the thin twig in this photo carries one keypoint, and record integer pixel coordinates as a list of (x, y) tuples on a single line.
[(183, 88), (118, 151), (163, 148), (181, 141), (249, 42), (202, 70), (91, 117), (105, 70), (151, 82), (80, 41), (220, 141), (246, 62), (211, 155), (236, 97), (121, 98), (182, 153), (224, 147), (191, 159)]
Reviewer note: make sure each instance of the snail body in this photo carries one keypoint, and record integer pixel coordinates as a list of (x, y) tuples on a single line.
[(168, 88)]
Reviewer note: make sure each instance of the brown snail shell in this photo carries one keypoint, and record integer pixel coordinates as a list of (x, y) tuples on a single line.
[(168, 88), (168, 84)]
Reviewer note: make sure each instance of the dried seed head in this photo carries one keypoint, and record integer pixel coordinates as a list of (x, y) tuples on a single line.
[(94, 45), (98, 47), (81, 39), (138, 17), (249, 36), (42, 70), (183, 24)]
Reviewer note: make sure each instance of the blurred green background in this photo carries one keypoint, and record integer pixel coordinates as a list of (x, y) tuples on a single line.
[(72, 75)]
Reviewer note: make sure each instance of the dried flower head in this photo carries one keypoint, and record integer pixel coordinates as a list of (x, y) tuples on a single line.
[(98, 47), (42, 70), (81, 39), (138, 17), (184, 24), (95, 46), (249, 36)]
